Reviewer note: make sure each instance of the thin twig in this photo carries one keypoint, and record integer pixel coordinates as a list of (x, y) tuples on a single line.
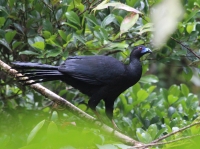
[(186, 47), (170, 134), (167, 142)]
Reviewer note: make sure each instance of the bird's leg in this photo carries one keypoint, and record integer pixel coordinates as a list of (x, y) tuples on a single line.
[(98, 116), (114, 125), (109, 112), (92, 105)]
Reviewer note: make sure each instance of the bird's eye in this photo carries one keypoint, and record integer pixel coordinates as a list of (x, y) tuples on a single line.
[(140, 48)]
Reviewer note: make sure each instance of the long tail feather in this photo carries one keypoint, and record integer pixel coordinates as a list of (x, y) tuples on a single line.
[(36, 72), (29, 65)]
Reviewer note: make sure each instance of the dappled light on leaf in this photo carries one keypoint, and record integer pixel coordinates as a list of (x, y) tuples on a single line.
[(128, 22), (116, 5)]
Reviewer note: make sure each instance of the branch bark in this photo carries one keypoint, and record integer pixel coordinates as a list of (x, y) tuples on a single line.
[(64, 103)]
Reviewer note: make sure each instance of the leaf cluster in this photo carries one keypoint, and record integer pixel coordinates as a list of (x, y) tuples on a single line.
[(50, 31)]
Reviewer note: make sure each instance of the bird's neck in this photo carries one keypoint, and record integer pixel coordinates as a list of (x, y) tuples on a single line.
[(135, 68), (135, 63)]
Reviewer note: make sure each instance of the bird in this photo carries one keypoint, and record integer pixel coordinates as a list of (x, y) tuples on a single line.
[(100, 77)]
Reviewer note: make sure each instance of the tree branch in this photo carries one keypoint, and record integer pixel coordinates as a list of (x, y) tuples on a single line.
[(157, 141), (167, 142), (170, 134), (61, 101), (185, 47)]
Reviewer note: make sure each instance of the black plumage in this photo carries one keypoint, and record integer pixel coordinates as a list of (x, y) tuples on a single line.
[(99, 77)]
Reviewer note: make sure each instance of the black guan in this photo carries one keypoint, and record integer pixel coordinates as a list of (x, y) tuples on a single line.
[(98, 76)]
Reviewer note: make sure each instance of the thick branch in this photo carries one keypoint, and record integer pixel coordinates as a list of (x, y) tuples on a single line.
[(61, 101)]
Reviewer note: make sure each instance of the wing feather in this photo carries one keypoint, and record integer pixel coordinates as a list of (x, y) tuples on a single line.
[(96, 70)]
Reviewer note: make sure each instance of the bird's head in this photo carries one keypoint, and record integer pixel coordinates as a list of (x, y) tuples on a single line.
[(139, 51)]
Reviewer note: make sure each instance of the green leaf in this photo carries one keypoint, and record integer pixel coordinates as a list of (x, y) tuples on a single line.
[(71, 25), (107, 20), (197, 4), (172, 99), (123, 99), (116, 5), (153, 130), (128, 22), (19, 27), (149, 79), (27, 52), (59, 14), (77, 4), (146, 28), (161, 131), (52, 128), (102, 5), (195, 129), (9, 36), (54, 52), (5, 43), (98, 35), (187, 73), (184, 90), (91, 18), (104, 33), (143, 136), (80, 38), (2, 21), (46, 34), (4, 10), (47, 25), (34, 131), (38, 39), (141, 95), (40, 45), (192, 14), (151, 89), (15, 44), (139, 42), (63, 35), (191, 27), (73, 17), (136, 88), (174, 90), (171, 111)]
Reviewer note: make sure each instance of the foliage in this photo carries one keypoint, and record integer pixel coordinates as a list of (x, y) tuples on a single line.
[(49, 31)]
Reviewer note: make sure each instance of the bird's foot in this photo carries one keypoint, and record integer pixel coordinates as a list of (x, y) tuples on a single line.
[(115, 127)]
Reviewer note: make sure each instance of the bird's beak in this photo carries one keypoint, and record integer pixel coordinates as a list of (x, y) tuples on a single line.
[(146, 50)]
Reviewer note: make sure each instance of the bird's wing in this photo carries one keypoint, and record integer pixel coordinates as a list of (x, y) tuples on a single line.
[(96, 70)]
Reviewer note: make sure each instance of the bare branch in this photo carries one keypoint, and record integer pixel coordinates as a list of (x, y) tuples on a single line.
[(186, 47), (170, 134), (167, 142)]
